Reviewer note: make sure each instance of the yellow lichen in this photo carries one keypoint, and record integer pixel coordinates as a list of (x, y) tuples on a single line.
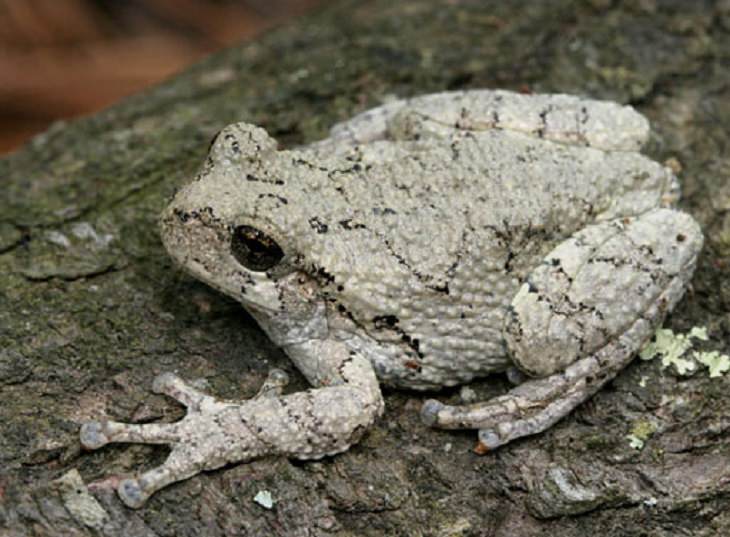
[(672, 347), (640, 433), (717, 363)]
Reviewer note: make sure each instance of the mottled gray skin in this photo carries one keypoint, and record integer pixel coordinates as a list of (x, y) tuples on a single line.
[(423, 244)]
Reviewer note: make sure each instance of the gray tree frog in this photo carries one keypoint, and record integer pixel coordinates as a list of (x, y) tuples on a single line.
[(425, 243)]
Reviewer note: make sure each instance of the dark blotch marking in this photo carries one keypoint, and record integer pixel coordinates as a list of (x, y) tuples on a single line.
[(255, 179), (440, 288), (383, 321), (508, 263), (317, 225), (348, 225), (324, 275), (281, 199), (377, 211)]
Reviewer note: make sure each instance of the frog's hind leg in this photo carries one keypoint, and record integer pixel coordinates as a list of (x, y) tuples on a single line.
[(579, 319), (368, 126), (567, 119), (305, 425), (537, 404)]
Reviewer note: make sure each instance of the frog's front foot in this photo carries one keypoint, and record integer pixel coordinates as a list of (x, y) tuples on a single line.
[(304, 425), (210, 435)]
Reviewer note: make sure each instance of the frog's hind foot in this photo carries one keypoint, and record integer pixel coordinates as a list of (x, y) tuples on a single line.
[(531, 407)]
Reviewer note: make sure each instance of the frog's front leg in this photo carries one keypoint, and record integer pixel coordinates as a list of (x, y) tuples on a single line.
[(304, 425), (580, 318)]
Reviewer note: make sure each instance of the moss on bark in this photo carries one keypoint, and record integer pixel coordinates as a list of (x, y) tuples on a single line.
[(91, 308)]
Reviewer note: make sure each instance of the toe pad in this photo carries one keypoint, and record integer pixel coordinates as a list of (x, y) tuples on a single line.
[(430, 411), (92, 435), (131, 493)]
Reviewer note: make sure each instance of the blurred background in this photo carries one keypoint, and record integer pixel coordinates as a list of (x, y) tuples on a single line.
[(64, 58)]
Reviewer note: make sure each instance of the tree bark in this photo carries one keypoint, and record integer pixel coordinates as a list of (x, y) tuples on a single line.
[(91, 308)]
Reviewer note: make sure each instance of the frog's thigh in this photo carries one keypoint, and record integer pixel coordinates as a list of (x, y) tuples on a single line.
[(562, 118), (594, 285), (581, 317)]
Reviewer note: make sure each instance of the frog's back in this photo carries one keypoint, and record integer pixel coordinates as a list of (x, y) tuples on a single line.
[(426, 242)]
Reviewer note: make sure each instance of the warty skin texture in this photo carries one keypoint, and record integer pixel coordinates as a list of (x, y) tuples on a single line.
[(423, 244)]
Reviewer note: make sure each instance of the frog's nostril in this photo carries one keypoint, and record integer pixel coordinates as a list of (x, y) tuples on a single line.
[(687, 235), (254, 249)]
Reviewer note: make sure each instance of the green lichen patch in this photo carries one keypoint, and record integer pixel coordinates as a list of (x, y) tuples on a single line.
[(672, 348), (717, 364)]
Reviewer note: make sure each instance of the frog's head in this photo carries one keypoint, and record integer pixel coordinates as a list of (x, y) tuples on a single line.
[(293, 238), (229, 227)]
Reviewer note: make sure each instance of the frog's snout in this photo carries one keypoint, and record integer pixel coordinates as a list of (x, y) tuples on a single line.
[(684, 235), (668, 238)]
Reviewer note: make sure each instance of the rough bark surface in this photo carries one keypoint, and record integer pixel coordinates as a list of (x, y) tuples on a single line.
[(91, 308)]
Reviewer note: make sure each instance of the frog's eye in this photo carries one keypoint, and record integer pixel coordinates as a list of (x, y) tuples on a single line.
[(254, 249)]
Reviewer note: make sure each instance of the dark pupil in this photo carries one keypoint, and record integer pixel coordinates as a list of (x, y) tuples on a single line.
[(254, 249)]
